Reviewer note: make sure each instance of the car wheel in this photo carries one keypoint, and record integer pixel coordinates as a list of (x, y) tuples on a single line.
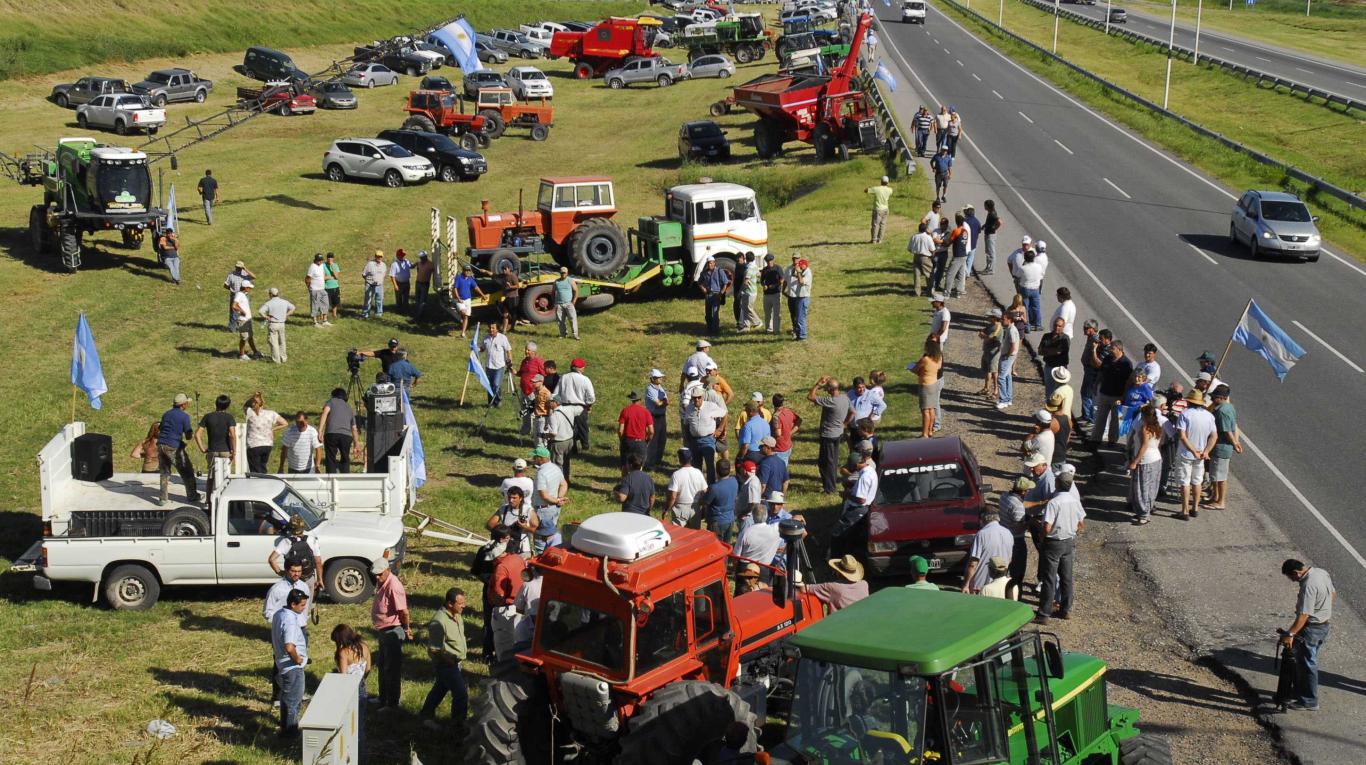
[(199, 96), (370, 83), (62, 100), (616, 84), (159, 101), (82, 121), (1233, 235), (528, 54), (1253, 250), (335, 172), (412, 71), (448, 174), (121, 127), (723, 74), (393, 179), (664, 81), (1313, 258)]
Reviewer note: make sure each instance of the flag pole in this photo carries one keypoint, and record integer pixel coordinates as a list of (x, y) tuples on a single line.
[(1229, 347), (467, 372)]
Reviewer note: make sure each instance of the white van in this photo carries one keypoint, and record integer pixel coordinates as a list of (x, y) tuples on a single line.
[(913, 12)]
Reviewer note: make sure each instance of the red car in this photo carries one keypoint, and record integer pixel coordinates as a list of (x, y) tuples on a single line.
[(275, 93), (929, 497)]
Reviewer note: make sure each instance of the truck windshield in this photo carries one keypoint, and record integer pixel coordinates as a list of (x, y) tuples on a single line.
[(160, 78), (583, 634), (843, 714), (920, 483), (292, 504), (122, 186)]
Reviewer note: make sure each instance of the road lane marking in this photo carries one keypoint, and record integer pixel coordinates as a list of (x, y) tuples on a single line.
[(959, 60), (1230, 50), (1259, 58), (975, 77), (946, 50), (936, 40), (1026, 116), (1325, 344), (1302, 69), (1064, 148), (1203, 254), (1355, 84), (998, 95), (1114, 299), (1116, 188)]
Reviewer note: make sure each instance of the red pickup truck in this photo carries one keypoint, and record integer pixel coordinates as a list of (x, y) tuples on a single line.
[(929, 497), (276, 93)]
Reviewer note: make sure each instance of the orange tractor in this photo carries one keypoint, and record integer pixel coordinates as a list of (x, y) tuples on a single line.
[(572, 222), (641, 653), (501, 110)]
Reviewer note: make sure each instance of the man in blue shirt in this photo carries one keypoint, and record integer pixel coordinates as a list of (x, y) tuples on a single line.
[(942, 164), (175, 429), (773, 473), (755, 429), (290, 644), (714, 283), (465, 290), (402, 372), (657, 404), (718, 506)]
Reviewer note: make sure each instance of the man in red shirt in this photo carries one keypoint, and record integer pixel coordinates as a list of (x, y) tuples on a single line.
[(389, 617), (635, 428), (785, 424), (532, 365), (501, 593)]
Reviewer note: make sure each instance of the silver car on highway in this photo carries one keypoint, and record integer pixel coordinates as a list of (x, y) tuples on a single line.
[(1275, 222)]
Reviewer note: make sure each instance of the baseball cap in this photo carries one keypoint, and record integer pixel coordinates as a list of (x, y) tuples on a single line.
[(1206, 356), (769, 258), (694, 390), (937, 297), (768, 441), (750, 571), (274, 291), (519, 464), (690, 372), (803, 263), (422, 253), (393, 342), (578, 363), (996, 313), (1041, 245), (540, 451), (655, 373), (376, 568), (998, 563), (1206, 376), (1022, 484), (246, 285), (1026, 239), (1036, 459), (919, 565), (317, 257), (748, 465), (703, 344), (711, 365), (379, 253), (1043, 416), (885, 179), (538, 378), (756, 396), (181, 398), (1067, 470)]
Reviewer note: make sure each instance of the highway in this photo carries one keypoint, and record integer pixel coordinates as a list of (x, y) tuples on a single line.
[(1343, 80), (1144, 239)]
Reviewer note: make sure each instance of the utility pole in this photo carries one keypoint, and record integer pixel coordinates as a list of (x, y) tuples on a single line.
[(1199, 6), (1056, 11), (1107, 17), (1001, 15), (1171, 40)]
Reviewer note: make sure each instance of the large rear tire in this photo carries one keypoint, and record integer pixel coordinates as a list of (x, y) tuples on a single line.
[(598, 248), (1145, 749), (823, 143), (494, 126), (583, 71), (685, 721), (39, 235), (420, 122), (538, 303), (69, 245), (766, 142), (511, 723)]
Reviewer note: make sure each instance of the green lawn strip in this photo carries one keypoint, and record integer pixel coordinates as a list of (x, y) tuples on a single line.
[(1335, 30), (1309, 137), (199, 658)]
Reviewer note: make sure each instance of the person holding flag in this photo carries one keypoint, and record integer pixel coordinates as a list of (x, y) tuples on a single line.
[(476, 368)]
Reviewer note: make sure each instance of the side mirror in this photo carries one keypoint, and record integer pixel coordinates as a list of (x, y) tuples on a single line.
[(376, 156), (1313, 218), (1052, 655)]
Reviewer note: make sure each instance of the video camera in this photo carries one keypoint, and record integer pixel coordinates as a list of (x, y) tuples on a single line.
[(353, 361)]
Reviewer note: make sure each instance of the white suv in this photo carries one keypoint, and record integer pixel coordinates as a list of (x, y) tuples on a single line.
[(528, 82), (375, 158)]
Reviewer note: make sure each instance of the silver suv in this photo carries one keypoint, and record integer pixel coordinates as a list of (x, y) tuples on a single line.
[(1274, 222), (375, 158)]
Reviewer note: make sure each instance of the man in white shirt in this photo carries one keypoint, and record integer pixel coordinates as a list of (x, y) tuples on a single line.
[(241, 305), (921, 248), (519, 479), (1150, 367), (1066, 310), (686, 486), (850, 532), (1063, 519), (940, 319), (1016, 258), (316, 280), (698, 361), (759, 541), (373, 276), (577, 396), (497, 359), (303, 448), (1040, 439), (1197, 432)]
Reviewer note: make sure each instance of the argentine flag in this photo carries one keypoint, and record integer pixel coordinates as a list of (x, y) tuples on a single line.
[(885, 74), (87, 373), (475, 368), (1259, 334), (417, 458), (458, 37)]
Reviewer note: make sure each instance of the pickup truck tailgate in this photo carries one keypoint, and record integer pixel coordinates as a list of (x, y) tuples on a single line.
[(28, 562)]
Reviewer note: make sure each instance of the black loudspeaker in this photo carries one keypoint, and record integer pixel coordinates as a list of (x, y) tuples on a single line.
[(384, 426), (92, 457)]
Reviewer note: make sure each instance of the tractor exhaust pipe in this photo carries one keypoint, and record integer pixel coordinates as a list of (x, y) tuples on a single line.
[(484, 206)]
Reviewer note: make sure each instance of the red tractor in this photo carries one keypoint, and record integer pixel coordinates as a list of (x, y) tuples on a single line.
[(440, 111), (828, 111), (641, 653), (608, 44), (572, 222)]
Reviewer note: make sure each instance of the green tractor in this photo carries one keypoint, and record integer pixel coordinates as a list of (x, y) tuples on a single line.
[(914, 677), (87, 188)]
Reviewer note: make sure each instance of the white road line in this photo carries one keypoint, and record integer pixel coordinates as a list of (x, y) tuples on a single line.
[(1230, 50), (975, 77), (959, 60), (946, 50), (1141, 142), (936, 40), (1355, 84), (1061, 146), (1203, 254), (1259, 58), (1302, 69), (1116, 188), (1332, 530), (1026, 116), (998, 95), (1325, 344)]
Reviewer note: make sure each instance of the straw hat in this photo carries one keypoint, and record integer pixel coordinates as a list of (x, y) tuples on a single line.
[(847, 567)]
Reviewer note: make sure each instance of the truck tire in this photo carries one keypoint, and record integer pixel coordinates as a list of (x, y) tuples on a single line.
[(616, 83), (159, 101), (472, 142), (335, 173), (1145, 749), (766, 142), (62, 100), (502, 258), (742, 55), (39, 235), (69, 246), (448, 174), (823, 143), (82, 122), (420, 122), (540, 132), (494, 126), (684, 721), (538, 303), (186, 522), (528, 53), (597, 302), (120, 127), (582, 71), (348, 581), (720, 108), (512, 723), (131, 587), (664, 80), (598, 248), (200, 95)]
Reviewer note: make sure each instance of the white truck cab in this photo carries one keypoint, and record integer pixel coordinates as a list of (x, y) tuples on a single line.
[(913, 12), (721, 220)]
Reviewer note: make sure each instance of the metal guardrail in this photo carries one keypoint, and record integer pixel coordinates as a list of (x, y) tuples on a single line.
[(896, 139), (1316, 183), (1329, 99)]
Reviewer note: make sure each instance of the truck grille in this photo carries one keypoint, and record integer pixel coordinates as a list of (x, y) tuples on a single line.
[(1295, 237)]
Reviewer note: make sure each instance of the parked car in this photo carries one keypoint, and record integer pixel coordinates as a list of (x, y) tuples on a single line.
[(484, 78), (703, 140), (370, 75), (452, 162), (124, 113), (397, 58), (165, 85), (702, 15), (528, 82), (537, 34), (653, 69), (375, 158), (715, 65), (1119, 16), (818, 15), (517, 44), (85, 89), (270, 65), (333, 94), (436, 82), (1275, 222), (489, 53)]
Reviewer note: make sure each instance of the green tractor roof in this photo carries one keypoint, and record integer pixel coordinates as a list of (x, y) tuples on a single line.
[(925, 631)]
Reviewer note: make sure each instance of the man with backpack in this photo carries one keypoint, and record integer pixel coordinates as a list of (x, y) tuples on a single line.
[(297, 545)]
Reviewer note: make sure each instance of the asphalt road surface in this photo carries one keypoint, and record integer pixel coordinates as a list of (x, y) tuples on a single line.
[(1145, 238), (1343, 80)]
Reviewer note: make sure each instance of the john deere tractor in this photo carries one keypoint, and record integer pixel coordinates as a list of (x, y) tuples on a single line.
[(87, 187)]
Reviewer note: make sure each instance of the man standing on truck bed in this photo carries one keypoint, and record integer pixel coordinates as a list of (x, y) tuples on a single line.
[(341, 438), (175, 429), (303, 449), (221, 428)]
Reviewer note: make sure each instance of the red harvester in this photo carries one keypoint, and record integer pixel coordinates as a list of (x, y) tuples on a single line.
[(606, 45)]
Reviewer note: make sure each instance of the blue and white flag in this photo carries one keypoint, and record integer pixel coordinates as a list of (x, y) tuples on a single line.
[(476, 368), (458, 37), (86, 371), (172, 220), (887, 3), (1259, 334), (417, 458), (885, 74)]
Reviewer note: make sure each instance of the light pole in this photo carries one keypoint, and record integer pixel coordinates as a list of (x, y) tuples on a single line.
[(1306, 7), (1055, 26), (1171, 40), (1199, 6), (1001, 15), (1107, 17)]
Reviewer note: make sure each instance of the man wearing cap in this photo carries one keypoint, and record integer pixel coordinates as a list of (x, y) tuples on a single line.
[(1054, 350), (520, 479), (773, 473), (1063, 518), (400, 278), (233, 284), (960, 245), (921, 248), (940, 319), (635, 428), (1016, 259), (713, 282), (566, 291), (558, 435), (702, 420), (697, 361), (797, 287), (1013, 515), (1309, 631), (657, 404), (373, 275), (389, 617), (749, 497), (290, 647), (497, 359), (385, 356), (1209, 365), (173, 434), (836, 414), (241, 303), (466, 287), (771, 281), (1227, 442), (1041, 437), (577, 396), (882, 194), (920, 571), (1197, 432), (530, 367), (850, 532), (847, 590), (315, 281), (991, 541), (402, 372), (168, 250), (422, 276), (550, 495), (686, 488), (275, 312)]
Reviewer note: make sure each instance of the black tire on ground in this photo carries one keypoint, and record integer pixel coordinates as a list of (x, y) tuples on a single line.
[(1253, 251), (538, 303), (842, 151), (420, 122), (69, 245), (664, 80), (582, 71), (448, 174), (494, 126), (62, 100), (766, 142), (159, 101), (484, 141), (719, 109), (200, 95), (823, 143), (684, 721), (39, 235), (186, 522), (1145, 749), (393, 179), (502, 258), (757, 52), (152, 131), (540, 132), (470, 141), (335, 172), (511, 722), (348, 581), (597, 302), (527, 54), (1313, 258), (742, 55), (82, 122), (598, 248), (131, 588)]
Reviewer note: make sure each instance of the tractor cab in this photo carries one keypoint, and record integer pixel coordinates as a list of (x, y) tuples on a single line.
[(873, 685), (118, 181), (565, 203)]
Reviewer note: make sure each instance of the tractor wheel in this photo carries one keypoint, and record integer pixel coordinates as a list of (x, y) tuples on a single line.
[(472, 142), (538, 303), (69, 243), (420, 122), (766, 141), (756, 53), (684, 721), (823, 143), (484, 141), (40, 236), (598, 248), (540, 132), (494, 126), (583, 71), (133, 238), (512, 723), (742, 55), (720, 108), (1145, 749), (502, 258)]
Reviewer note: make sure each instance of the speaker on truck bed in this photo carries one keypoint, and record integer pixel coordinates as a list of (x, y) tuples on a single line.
[(384, 425), (92, 457)]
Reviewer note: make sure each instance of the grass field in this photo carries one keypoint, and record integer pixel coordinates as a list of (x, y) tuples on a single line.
[(1334, 30), (1319, 141), (83, 680)]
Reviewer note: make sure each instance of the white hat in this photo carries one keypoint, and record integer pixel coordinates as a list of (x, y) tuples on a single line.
[(1061, 375), (1035, 459), (246, 285), (694, 390), (1043, 416), (655, 373), (756, 396), (711, 365), (690, 372), (937, 297), (379, 566), (1041, 245), (1026, 240), (1067, 470), (885, 179), (519, 464), (776, 498), (703, 344), (274, 291)]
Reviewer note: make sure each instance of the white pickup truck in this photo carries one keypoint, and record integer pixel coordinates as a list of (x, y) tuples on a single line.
[(113, 534)]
